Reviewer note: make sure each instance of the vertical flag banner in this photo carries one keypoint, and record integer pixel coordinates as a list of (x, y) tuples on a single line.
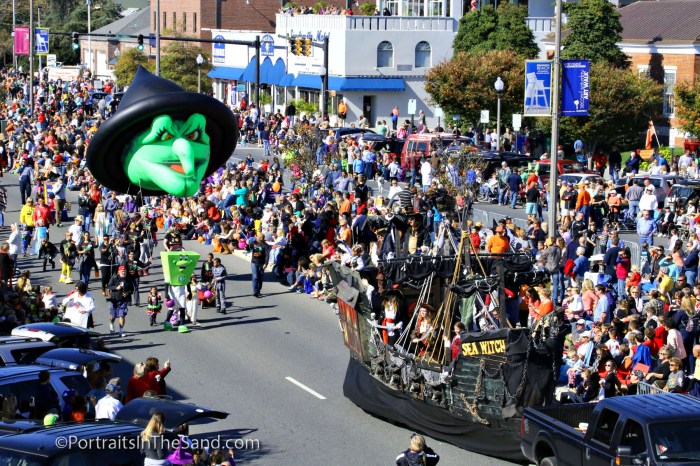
[(41, 41), (538, 88), (21, 40), (575, 87)]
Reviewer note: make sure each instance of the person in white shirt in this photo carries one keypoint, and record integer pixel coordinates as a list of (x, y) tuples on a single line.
[(15, 241), (426, 172), (648, 200), (79, 306), (109, 405), (395, 188), (76, 230)]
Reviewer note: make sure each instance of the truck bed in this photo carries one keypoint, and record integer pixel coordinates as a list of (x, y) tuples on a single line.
[(568, 415)]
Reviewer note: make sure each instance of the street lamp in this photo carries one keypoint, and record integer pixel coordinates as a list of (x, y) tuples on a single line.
[(498, 85), (200, 60), (324, 91)]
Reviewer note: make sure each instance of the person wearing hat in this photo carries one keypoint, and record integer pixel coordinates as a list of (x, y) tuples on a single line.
[(69, 253), (109, 405), (648, 201), (121, 287)]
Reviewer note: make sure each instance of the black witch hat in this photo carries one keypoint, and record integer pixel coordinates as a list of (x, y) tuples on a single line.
[(149, 96)]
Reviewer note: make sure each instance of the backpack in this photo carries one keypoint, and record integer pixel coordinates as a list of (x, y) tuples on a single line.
[(569, 268), (693, 324)]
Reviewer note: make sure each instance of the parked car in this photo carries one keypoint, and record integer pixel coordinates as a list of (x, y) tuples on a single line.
[(347, 131), (47, 446), (577, 178), (422, 144), (22, 381), (564, 167), (683, 193), (110, 99), (22, 350), (61, 334), (642, 429), (662, 184), (378, 142)]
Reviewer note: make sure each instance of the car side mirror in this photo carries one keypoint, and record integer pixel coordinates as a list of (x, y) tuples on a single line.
[(623, 456)]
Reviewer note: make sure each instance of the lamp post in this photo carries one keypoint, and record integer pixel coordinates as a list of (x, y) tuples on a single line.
[(89, 18), (498, 85), (200, 61), (38, 24), (322, 101)]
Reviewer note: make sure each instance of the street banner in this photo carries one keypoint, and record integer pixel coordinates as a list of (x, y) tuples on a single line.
[(21, 40), (51, 60), (538, 88), (575, 87), (41, 41), (517, 121), (484, 116)]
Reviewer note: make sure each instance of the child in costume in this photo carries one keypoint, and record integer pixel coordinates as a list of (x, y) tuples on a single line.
[(154, 305)]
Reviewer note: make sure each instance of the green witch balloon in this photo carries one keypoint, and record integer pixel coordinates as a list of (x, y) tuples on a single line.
[(162, 139)]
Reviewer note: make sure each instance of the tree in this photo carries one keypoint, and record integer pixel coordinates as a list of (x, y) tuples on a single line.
[(621, 104), (300, 150), (367, 8), (464, 85), (500, 29), (178, 62), (688, 106), (593, 33), (128, 63)]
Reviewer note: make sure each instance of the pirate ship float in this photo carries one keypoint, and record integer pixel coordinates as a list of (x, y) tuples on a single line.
[(401, 374)]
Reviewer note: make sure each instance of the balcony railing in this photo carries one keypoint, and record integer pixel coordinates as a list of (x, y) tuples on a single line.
[(545, 24), (365, 23)]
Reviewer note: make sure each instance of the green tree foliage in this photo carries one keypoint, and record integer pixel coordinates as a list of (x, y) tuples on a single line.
[(621, 104), (464, 85), (500, 29), (688, 106), (300, 149), (128, 63), (368, 8), (179, 64), (593, 33), (476, 30)]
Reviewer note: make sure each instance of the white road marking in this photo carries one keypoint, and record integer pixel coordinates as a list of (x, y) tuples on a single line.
[(304, 387)]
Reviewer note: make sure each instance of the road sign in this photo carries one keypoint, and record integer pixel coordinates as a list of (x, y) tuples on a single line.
[(41, 41), (51, 60), (219, 55), (575, 87), (152, 40), (21, 40), (267, 46), (411, 106), (517, 121), (484, 116), (437, 112)]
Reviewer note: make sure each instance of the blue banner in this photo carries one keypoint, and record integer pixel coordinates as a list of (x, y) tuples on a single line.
[(575, 87), (538, 88)]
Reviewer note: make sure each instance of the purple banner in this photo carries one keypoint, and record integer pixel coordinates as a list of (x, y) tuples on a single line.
[(21, 40)]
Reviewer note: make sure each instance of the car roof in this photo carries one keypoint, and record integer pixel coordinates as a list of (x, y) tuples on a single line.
[(21, 370), (19, 425), (649, 408), (42, 442), (19, 340), (59, 329), (140, 410)]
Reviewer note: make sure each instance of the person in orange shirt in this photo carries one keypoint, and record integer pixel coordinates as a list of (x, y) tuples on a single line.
[(499, 243), (346, 206), (546, 305), (583, 202), (532, 178)]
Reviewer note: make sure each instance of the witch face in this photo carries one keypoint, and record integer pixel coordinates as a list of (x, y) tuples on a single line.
[(171, 155)]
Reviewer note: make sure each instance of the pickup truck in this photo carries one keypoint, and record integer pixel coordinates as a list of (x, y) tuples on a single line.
[(626, 430)]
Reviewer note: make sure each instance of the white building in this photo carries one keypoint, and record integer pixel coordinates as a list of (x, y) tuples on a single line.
[(375, 62)]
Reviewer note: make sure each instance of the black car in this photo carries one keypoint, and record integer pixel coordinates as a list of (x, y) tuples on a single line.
[(110, 99), (62, 334), (93, 443), (378, 142)]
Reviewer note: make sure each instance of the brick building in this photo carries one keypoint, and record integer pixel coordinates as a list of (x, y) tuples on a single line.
[(662, 39), (198, 17)]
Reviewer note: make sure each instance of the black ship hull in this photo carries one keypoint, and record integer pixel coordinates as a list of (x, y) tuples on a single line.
[(499, 439)]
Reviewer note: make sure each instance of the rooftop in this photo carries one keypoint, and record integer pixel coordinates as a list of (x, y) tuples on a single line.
[(134, 24), (305, 23), (661, 22)]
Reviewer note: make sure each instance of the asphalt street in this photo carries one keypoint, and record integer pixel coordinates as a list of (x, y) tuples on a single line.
[(275, 364)]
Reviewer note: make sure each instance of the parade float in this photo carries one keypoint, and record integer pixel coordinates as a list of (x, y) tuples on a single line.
[(404, 375)]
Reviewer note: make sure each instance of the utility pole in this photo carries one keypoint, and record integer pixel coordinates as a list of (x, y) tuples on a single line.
[(324, 82), (89, 63), (14, 22), (553, 167), (257, 75), (31, 57), (38, 25), (157, 37)]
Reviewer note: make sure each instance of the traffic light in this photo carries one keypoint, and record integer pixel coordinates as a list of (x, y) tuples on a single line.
[(297, 48), (140, 42), (308, 48), (76, 41)]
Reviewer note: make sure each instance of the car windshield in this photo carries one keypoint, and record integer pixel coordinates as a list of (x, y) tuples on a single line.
[(682, 192), (676, 441), (573, 168)]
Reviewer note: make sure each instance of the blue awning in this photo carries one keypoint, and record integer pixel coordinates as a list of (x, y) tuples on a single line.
[(309, 81), (365, 84), (265, 70), (277, 72), (226, 72), (286, 80)]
